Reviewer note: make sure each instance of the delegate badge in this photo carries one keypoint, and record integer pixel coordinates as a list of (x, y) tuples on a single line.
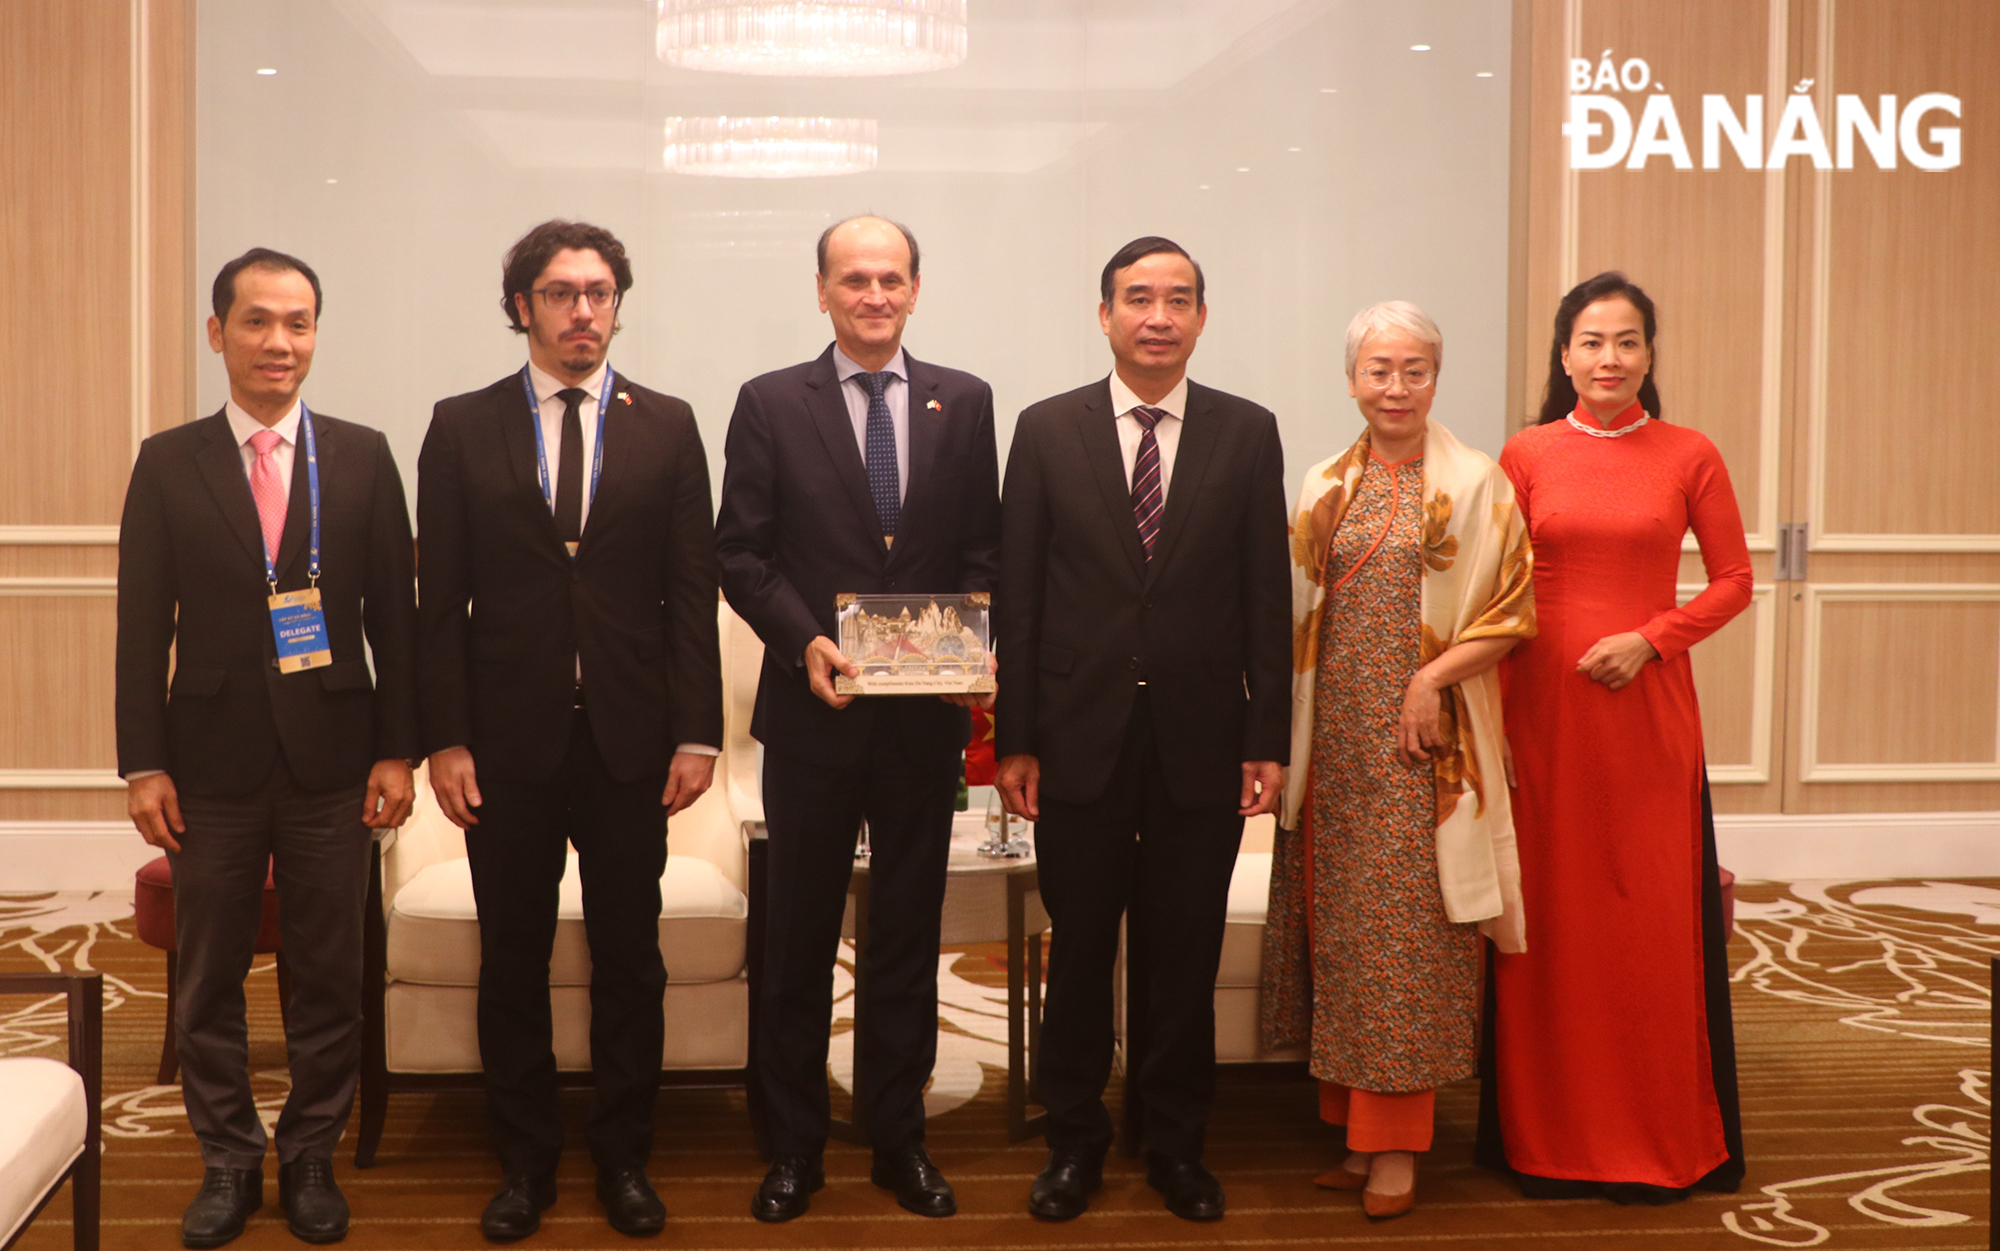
[(300, 627)]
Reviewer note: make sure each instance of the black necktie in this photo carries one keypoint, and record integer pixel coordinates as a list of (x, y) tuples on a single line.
[(569, 468)]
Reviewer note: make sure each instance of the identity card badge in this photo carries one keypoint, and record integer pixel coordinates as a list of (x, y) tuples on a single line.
[(300, 626)]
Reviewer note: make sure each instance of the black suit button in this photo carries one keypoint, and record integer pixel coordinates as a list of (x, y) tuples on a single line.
[(891, 584), (1133, 663), (1149, 604)]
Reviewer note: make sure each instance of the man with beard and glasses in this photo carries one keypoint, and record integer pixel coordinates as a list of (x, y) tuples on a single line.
[(571, 694)]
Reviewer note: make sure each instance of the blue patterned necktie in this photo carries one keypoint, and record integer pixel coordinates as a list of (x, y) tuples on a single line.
[(1149, 496), (881, 442)]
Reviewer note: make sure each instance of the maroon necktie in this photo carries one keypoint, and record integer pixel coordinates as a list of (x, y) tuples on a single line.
[(1148, 496)]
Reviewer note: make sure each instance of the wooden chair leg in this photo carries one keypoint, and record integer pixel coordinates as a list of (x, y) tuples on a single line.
[(170, 1061)]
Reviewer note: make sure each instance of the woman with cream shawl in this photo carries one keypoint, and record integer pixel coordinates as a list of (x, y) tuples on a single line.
[(1395, 852)]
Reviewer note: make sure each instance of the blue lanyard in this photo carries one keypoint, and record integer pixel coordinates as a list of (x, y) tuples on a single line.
[(542, 447), (312, 490)]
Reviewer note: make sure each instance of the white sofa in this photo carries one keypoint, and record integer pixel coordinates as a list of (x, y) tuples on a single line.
[(49, 1113), (423, 1031)]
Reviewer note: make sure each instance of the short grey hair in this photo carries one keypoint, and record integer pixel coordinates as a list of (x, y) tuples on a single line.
[(1394, 315)]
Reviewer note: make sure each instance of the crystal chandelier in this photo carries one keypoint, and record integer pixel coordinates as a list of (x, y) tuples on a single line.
[(819, 38), (770, 147)]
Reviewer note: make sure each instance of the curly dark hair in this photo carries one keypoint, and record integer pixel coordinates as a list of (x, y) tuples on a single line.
[(531, 255)]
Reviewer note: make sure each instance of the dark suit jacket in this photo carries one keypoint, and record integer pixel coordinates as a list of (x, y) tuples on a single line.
[(191, 576), (1083, 616), (506, 614), (798, 527)]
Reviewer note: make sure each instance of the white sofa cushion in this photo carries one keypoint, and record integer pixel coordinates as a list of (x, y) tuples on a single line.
[(1243, 936), (434, 926), (435, 1029), (43, 1121)]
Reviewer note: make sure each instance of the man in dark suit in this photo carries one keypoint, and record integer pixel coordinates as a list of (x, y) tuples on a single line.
[(868, 471), (1145, 638), (249, 758), (571, 692)]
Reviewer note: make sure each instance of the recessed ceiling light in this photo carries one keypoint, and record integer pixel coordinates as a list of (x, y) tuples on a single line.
[(1294, 149), (267, 72), (1327, 91), (1242, 169), (1202, 187), (331, 181), (1484, 74), (1420, 47)]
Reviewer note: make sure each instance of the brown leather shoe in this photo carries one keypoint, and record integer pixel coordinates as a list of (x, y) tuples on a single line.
[(1381, 1207), (1341, 1179)]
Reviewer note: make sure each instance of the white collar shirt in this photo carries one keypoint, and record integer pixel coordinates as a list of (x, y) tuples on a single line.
[(242, 425), (896, 395), (549, 405), (1166, 432)]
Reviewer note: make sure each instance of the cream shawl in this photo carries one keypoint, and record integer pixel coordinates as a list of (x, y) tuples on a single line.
[(1477, 583)]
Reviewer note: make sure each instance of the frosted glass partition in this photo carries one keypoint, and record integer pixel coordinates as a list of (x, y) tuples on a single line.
[(1301, 149)]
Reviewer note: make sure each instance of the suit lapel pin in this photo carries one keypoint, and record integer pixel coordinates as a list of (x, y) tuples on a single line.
[(625, 396), (934, 405)]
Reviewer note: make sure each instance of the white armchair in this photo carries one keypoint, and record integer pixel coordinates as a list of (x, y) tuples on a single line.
[(49, 1113), (422, 949)]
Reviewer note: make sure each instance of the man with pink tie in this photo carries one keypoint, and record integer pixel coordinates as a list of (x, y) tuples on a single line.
[(260, 546)]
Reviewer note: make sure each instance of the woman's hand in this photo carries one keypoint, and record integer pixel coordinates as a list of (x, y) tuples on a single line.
[(1417, 729), (1616, 659)]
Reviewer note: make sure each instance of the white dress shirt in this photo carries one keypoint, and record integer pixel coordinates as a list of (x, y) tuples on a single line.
[(896, 395), (1167, 432), (242, 425), (550, 405)]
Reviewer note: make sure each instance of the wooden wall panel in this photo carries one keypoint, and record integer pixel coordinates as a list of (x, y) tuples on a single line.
[(96, 215), (56, 656), (66, 154), (1695, 240), (1912, 314), (1917, 682), (1733, 671)]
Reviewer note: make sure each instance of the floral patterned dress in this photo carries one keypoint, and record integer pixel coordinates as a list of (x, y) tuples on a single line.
[(1394, 983)]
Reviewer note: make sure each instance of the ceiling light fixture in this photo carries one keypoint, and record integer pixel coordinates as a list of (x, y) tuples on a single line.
[(1420, 47), (266, 72), (1484, 74), (770, 147), (812, 38)]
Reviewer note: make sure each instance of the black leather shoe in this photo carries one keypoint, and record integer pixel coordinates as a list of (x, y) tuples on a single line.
[(1062, 1191), (919, 1187), (787, 1189), (1192, 1192), (314, 1206), (227, 1198), (630, 1202), (516, 1211)]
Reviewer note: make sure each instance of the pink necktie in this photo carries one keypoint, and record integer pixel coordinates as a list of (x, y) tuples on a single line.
[(268, 490)]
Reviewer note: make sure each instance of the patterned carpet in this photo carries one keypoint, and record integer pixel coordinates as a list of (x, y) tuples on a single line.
[(1862, 1011)]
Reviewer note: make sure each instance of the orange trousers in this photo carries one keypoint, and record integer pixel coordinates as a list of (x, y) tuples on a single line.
[(1377, 1121)]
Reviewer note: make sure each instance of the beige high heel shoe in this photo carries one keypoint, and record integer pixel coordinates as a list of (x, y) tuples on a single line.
[(1382, 1207)]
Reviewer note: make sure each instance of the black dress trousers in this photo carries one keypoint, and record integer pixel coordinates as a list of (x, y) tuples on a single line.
[(517, 853), (1131, 850), (906, 785)]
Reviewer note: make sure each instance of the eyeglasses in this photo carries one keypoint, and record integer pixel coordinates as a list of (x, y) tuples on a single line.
[(1415, 377), (564, 298)]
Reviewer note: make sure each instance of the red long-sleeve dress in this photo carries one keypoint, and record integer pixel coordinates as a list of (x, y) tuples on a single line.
[(1613, 1056)]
